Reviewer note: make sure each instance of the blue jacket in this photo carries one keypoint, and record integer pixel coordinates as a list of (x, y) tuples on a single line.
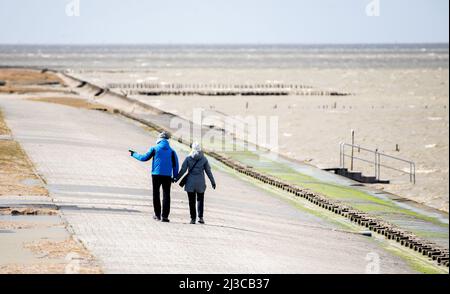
[(165, 159)]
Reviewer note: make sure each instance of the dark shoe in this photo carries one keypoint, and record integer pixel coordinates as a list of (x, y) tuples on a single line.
[(165, 220), (155, 217), (200, 220), (192, 221)]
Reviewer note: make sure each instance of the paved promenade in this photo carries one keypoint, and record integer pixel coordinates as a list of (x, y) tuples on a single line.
[(105, 196)]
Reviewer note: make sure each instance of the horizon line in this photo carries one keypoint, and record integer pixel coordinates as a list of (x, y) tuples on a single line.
[(223, 44)]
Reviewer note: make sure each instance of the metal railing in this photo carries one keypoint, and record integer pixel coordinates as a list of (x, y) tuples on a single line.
[(376, 162)]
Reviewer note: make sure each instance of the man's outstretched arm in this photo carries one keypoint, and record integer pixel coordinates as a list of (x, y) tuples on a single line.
[(147, 156)]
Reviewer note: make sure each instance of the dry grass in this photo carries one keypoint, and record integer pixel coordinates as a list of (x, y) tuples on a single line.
[(37, 268), (8, 225), (58, 249), (4, 130), (28, 77), (63, 249), (57, 258), (27, 211), (73, 102), (15, 168), (21, 81), (27, 90), (45, 268)]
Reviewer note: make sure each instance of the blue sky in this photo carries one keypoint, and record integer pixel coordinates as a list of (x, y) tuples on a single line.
[(222, 21)]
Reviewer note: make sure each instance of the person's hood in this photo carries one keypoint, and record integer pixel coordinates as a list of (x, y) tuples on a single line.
[(196, 155), (196, 150), (163, 143)]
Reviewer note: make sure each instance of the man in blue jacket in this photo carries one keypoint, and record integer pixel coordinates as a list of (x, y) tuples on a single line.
[(164, 170)]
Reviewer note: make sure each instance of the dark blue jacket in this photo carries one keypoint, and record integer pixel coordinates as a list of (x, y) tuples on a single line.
[(165, 159)]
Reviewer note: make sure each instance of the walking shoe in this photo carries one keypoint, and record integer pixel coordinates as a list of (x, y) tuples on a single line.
[(155, 217), (200, 220), (192, 221), (165, 220)]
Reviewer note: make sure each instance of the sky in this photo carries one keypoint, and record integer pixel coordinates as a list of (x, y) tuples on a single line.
[(223, 21)]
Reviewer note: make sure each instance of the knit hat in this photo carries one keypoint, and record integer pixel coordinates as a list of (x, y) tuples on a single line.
[(164, 135)]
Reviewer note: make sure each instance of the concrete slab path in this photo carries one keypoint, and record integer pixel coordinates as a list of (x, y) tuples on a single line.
[(105, 196)]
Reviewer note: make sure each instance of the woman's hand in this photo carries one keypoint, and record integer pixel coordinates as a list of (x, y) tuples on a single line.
[(131, 152)]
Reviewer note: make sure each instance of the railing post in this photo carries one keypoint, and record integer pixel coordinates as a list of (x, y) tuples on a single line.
[(410, 172), (375, 164), (353, 144), (412, 169), (379, 166)]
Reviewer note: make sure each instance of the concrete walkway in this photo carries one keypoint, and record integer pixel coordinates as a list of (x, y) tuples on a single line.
[(105, 196)]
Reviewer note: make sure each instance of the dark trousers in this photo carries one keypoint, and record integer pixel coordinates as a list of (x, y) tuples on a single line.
[(165, 182), (200, 197)]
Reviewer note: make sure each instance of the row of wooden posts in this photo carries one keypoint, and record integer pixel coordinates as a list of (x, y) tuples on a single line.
[(230, 93), (220, 89), (205, 86)]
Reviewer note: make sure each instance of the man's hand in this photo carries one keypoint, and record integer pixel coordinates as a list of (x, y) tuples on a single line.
[(214, 186), (174, 180), (131, 152)]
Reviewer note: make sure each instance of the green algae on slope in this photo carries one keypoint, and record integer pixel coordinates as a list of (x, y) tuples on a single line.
[(298, 203), (366, 202), (356, 198), (415, 261)]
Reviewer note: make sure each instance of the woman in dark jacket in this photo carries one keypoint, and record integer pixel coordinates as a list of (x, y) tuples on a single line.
[(197, 165)]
